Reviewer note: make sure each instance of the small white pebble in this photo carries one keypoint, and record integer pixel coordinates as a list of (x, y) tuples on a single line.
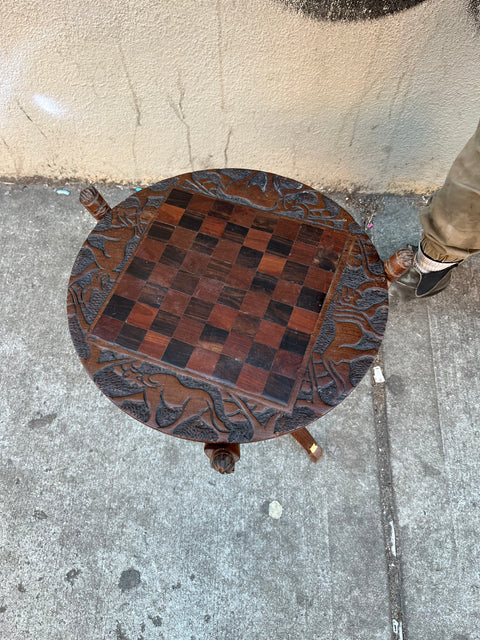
[(378, 375), (275, 510), (63, 192)]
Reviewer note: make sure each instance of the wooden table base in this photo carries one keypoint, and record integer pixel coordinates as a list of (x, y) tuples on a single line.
[(224, 456)]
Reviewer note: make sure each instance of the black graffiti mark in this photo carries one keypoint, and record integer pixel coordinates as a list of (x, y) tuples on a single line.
[(350, 10), (474, 9)]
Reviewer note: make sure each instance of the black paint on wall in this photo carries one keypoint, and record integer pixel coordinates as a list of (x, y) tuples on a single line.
[(352, 9), (474, 7)]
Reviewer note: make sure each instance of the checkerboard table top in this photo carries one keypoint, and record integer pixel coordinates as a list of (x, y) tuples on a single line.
[(227, 305)]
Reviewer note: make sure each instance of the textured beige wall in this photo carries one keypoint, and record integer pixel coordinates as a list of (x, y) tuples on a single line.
[(135, 91)]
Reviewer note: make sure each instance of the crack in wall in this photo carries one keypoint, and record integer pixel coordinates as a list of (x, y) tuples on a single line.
[(220, 53), (227, 144), (136, 102), (31, 120), (136, 107), (177, 108)]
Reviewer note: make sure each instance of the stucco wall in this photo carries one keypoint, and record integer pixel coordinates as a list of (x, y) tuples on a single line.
[(136, 91)]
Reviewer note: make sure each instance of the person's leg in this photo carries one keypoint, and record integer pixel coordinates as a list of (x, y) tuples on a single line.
[(451, 225), (451, 222)]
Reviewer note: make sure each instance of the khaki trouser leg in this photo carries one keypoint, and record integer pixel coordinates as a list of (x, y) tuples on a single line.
[(451, 221)]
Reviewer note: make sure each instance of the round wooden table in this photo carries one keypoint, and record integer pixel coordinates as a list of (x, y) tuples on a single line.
[(226, 306)]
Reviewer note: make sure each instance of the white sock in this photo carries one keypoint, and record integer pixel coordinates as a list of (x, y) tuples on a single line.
[(426, 264)]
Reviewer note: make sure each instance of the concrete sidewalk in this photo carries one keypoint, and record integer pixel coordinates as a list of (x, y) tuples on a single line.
[(110, 530)]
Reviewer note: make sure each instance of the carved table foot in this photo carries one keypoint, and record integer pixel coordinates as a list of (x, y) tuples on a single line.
[(223, 456), (398, 264), (94, 202), (305, 438)]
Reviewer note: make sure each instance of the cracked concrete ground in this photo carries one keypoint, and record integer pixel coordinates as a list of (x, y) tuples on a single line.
[(110, 530)]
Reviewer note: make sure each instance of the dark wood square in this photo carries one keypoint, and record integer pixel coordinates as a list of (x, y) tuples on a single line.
[(223, 208), (213, 338), (295, 341), (228, 369), (231, 297), (261, 356), (279, 387), (278, 312), (264, 222), (192, 220), (130, 336), (235, 232), (262, 282), (294, 272), (198, 309), (140, 268), (178, 353), (249, 258), (165, 323), (179, 198), (204, 243), (172, 257), (279, 246), (218, 269), (310, 299), (119, 307), (161, 231), (309, 234)]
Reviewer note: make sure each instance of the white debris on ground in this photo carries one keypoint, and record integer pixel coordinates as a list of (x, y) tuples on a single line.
[(378, 375), (275, 510), (397, 628)]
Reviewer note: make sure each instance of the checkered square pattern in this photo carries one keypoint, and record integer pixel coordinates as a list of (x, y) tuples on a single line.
[(225, 292)]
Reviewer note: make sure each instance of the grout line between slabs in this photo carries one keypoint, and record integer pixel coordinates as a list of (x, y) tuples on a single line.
[(389, 517)]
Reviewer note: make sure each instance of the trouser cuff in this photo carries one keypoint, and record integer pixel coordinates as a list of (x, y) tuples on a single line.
[(427, 264)]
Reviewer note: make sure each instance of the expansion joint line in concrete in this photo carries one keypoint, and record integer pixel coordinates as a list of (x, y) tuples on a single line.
[(388, 509)]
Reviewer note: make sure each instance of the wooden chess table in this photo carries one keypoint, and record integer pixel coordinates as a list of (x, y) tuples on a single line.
[(227, 306)]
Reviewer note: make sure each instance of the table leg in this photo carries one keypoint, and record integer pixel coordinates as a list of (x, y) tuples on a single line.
[(305, 438), (223, 456), (398, 264), (94, 202)]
